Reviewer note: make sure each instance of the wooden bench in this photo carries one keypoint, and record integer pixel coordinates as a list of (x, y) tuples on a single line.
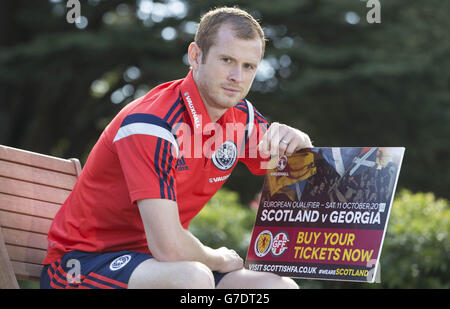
[(32, 188)]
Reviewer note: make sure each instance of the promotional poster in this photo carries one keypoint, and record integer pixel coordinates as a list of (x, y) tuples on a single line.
[(323, 213)]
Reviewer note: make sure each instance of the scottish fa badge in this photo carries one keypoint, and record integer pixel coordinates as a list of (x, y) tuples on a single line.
[(225, 156)]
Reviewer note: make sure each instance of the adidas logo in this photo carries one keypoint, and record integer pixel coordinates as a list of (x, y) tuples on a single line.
[(181, 165)]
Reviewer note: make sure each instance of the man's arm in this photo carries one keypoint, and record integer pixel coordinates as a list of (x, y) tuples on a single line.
[(168, 241)]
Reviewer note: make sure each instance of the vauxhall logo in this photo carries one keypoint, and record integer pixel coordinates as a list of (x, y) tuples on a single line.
[(192, 109)]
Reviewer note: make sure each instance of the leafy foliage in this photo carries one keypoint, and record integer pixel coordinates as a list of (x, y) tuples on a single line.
[(416, 251), (224, 222)]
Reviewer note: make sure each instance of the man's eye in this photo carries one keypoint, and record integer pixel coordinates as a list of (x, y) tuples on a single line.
[(226, 60), (249, 67)]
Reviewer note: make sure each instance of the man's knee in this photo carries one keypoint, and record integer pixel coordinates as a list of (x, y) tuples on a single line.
[(274, 281), (172, 275), (249, 279), (196, 276), (288, 283)]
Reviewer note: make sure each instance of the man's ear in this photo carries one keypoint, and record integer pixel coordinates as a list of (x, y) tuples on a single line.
[(194, 56)]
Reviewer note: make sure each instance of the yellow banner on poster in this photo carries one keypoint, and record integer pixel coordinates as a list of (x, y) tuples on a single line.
[(296, 168)]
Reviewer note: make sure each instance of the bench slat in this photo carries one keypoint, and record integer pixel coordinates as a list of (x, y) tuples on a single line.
[(24, 239), (27, 270), (37, 175), (24, 222), (27, 255), (32, 190), (28, 206), (37, 160)]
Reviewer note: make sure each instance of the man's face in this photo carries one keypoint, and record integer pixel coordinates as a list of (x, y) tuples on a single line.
[(226, 75)]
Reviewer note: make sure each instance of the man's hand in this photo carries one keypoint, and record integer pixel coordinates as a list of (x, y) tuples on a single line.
[(231, 260), (281, 139)]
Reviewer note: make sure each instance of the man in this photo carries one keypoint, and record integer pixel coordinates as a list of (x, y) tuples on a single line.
[(157, 164)]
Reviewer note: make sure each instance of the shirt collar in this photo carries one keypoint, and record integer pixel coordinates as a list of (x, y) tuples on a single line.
[(194, 103)]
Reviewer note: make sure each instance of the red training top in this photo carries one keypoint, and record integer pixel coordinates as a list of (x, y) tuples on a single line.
[(162, 145)]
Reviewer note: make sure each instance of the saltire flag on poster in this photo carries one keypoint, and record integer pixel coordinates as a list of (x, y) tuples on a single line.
[(349, 161), (291, 173)]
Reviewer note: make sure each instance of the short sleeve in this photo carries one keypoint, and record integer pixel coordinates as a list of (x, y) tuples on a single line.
[(147, 157)]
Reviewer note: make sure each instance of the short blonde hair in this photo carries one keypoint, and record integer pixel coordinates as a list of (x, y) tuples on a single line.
[(244, 26)]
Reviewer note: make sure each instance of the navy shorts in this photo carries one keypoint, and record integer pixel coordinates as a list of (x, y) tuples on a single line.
[(85, 270)]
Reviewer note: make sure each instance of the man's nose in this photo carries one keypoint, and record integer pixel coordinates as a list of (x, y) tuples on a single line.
[(235, 74)]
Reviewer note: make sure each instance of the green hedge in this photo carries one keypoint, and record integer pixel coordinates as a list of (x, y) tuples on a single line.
[(225, 222), (416, 251)]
